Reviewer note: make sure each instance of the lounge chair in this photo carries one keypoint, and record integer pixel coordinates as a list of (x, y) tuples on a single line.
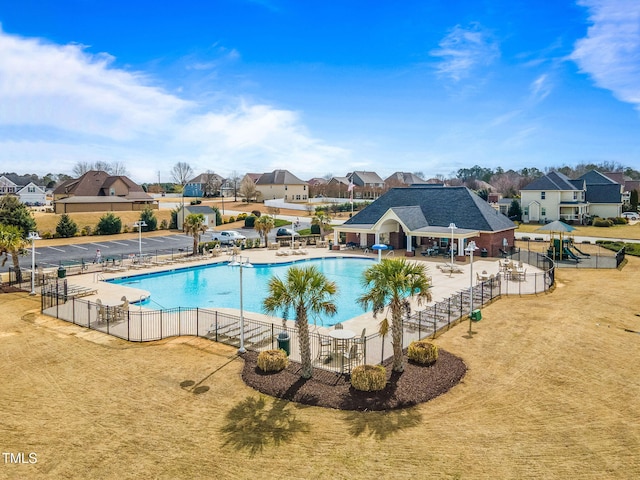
[(102, 311), (360, 340)]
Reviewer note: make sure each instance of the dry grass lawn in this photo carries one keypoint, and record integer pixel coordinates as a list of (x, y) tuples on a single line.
[(551, 393)]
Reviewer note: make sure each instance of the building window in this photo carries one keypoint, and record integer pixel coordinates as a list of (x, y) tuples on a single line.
[(304, 187), (526, 210), (285, 187), (543, 211), (297, 197), (31, 189), (543, 195), (112, 191), (575, 195)]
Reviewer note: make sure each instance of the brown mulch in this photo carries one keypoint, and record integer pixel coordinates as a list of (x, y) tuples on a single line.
[(417, 384), (8, 289)]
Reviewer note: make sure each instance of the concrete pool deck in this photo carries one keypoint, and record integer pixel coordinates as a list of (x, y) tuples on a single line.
[(443, 284)]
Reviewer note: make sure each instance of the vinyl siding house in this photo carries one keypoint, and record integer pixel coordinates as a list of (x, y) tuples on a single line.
[(401, 179), (603, 194), (554, 197), (205, 184), (32, 194), (207, 212), (367, 185), (282, 184), (7, 187), (420, 216)]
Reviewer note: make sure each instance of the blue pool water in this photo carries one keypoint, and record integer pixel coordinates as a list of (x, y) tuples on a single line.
[(218, 286)]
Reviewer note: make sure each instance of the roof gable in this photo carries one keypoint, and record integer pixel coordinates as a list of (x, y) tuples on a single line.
[(279, 177), (551, 181), (594, 177)]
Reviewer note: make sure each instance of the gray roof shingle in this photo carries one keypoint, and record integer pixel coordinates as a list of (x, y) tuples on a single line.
[(439, 207), (551, 181)]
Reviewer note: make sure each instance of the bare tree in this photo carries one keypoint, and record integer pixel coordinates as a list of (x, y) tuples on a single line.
[(81, 168), (102, 166), (248, 189), (234, 178), (181, 173), (211, 183), (118, 168)]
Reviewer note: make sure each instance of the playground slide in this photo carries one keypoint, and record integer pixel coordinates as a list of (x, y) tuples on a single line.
[(570, 254), (581, 252)]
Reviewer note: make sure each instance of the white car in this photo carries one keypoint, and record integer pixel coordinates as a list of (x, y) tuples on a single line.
[(631, 215), (228, 237)]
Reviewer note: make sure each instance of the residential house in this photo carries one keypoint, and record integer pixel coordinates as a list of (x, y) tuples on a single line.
[(204, 185), (206, 211), (421, 216), (627, 182), (32, 195), (603, 195), (338, 187), (554, 197), (98, 191), (282, 184), (368, 185), (317, 187), (7, 187), (402, 179)]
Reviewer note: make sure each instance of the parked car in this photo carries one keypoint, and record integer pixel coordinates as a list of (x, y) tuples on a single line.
[(631, 215), (286, 232), (228, 237)]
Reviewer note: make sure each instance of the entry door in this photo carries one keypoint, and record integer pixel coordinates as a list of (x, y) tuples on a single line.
[(534, 212)]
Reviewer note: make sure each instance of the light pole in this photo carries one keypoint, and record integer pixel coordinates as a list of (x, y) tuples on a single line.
[(140, 224), (33, 236), (238, 262), (453, 227), (470, 249)]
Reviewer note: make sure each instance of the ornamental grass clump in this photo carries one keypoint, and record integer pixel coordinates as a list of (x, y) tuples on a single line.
[(369, 378), (272, 360), (422, 352)]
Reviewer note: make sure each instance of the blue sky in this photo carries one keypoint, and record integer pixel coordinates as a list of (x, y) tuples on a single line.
[(318, 87)]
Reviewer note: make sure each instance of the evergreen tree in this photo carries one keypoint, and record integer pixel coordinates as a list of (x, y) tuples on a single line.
[(14, 213), (514, 210), (633, 199), (147, 216), (66, 227), (109, 224)]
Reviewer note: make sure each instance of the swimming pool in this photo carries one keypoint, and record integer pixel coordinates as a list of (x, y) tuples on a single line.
[(218, 285)]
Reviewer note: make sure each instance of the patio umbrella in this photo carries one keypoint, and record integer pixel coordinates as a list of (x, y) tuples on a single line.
[(556, 226), (379, 247), (560, 228)]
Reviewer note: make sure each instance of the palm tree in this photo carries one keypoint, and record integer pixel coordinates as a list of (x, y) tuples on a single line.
[(194, 225), (264, 224), (11, 242), (305, 290), (390, 283), (322, 219)]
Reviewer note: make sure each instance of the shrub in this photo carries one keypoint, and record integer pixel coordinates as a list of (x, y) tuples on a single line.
[(250, 221), (109, 224), (47, 235), (619, 221), (422, 352), (164, 225), (256, 213), (369, 378), (147, 216), (272, 360), (241, 216), (86, 230), (602, 222), (195, 202), (66, 227), (315, 229)]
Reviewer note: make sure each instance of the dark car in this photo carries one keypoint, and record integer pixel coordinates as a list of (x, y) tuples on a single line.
[(286, 232)]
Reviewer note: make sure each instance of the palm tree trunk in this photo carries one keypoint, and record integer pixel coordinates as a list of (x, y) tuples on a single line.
[(305, 346), (396, 339), (16, 266), (195, 243)]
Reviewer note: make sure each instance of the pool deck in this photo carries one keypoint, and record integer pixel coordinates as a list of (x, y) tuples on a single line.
[(443, 284)]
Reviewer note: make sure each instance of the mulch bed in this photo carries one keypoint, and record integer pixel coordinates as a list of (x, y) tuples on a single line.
[(417, 384), (9, 289)]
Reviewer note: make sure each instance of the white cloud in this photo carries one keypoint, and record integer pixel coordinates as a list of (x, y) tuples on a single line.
[(610, 53), (465, 49), (540, 88), (61, 105)]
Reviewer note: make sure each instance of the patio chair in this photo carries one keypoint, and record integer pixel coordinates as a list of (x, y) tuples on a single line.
[(353, 355), (102, 311), (324, 350), (360, 340), (338, 326)]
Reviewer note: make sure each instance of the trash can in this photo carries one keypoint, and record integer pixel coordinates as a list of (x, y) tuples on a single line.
[(283, 342), (330, 245), (484, 253), (476, 316), (62, 272)]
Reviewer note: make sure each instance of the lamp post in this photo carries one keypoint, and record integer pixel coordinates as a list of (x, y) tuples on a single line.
[(238, 262), (470, 249), (140, 224), (33, 236)]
